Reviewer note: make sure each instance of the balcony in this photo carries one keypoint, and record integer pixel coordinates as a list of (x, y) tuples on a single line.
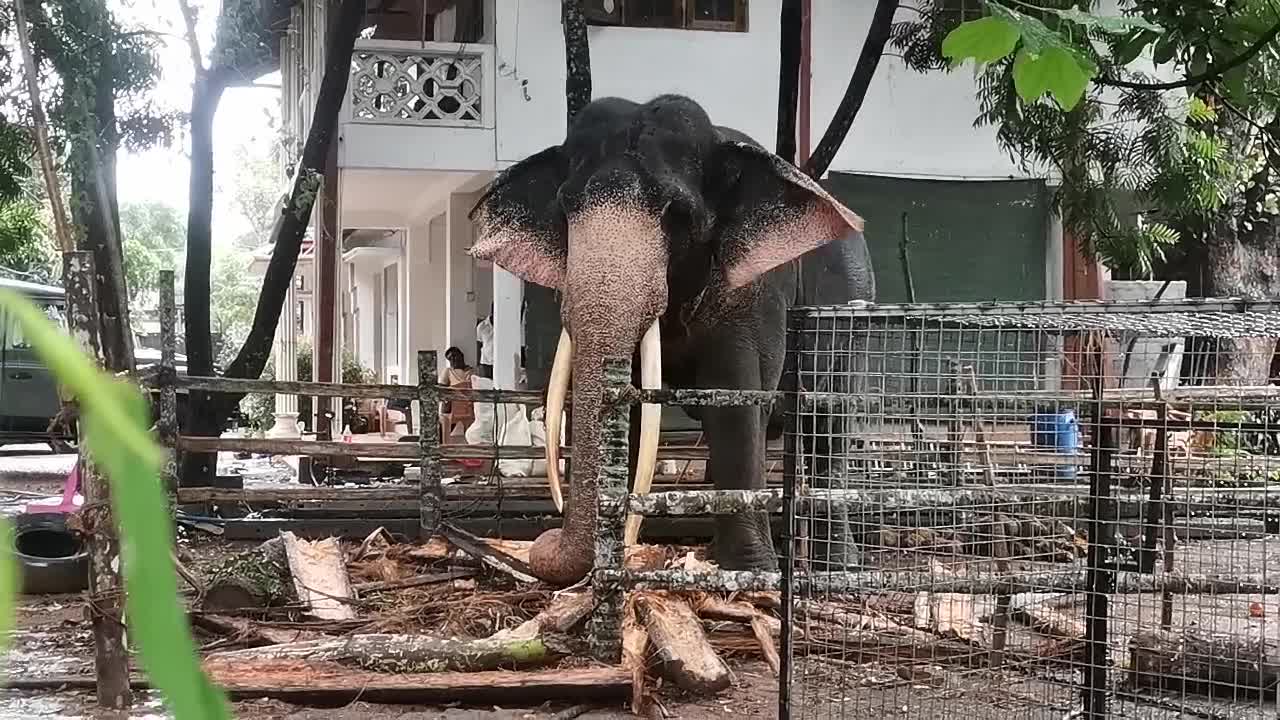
[(419, 106)]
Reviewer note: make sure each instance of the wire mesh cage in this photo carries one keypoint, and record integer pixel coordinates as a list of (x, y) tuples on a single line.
[(1033, 511)]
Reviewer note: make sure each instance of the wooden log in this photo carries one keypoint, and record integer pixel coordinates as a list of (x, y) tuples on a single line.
[(415, 653), (330, 684), (251, 580), (319, 570), (1192, 660), (1046, 619), (566, 612), (635, 645), (765, 628), (686, 656), (876, 636)]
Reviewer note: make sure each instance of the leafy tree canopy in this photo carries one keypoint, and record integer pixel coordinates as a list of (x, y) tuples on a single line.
[(154, 235), (1147, 166)]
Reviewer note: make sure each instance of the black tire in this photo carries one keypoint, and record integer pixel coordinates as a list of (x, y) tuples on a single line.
[(51, 558)]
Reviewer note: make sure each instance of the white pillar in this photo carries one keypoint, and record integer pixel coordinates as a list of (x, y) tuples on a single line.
[(508, 296), (461, 311), (286, 367)]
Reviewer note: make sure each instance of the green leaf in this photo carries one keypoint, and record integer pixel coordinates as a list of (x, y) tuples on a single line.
[(1129, 50), (1056, 71), (1199, 111), (1116, 24), (1164, 50), (1035, 35), (116, 422), (985, 40), (8, 582)]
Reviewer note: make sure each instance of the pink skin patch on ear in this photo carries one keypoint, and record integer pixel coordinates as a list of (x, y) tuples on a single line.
[(774, 240), (520, 253)]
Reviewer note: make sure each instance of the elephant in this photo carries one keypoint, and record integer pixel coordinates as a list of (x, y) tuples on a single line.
[(665, 232)]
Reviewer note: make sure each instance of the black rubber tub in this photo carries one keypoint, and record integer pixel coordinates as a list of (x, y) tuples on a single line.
[(51, 558)]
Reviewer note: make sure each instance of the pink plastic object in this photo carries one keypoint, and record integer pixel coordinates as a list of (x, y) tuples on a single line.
[(68, 503)]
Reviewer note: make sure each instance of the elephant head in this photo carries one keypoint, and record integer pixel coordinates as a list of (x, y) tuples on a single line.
[(643, 208)]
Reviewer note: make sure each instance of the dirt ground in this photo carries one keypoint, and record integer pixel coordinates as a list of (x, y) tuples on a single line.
[(53, 639)]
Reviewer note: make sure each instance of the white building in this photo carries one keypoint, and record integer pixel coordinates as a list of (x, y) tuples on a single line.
[(445, 93)]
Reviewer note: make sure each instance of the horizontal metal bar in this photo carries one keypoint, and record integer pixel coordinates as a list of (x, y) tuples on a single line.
[(856, 582), (702, 502), (410, 451), (715, 398), (892, 310)]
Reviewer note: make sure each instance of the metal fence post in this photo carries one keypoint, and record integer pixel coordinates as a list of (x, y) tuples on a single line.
[(1100, 560), (167, 423), (604, 627), (790, 408), (430, 495)]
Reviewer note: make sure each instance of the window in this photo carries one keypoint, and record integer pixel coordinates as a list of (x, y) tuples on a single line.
[(955, 12), (728, 15), (16, 339)]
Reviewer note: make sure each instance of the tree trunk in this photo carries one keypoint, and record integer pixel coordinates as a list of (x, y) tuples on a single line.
[(856, 92), (792, 25), (207, 415), (1246, 265), (577, 57)]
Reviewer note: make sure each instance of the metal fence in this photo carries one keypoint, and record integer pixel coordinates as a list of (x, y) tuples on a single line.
[(1032, 511)]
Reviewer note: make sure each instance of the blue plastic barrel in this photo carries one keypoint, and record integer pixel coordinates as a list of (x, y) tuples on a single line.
[(1060, 432)]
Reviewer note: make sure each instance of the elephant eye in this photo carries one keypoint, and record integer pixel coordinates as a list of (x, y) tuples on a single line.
[(680, 220)]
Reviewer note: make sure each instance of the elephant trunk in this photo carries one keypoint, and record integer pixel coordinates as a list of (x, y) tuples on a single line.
[(615, 291)]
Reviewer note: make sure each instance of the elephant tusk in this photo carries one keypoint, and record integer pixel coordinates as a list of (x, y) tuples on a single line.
[(556, 391), (650, 425)]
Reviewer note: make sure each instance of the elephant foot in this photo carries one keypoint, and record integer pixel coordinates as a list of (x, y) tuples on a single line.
[(744, 543), (833, 547)]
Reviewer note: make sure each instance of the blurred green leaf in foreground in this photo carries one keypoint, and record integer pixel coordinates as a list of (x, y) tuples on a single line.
[(117, 433)]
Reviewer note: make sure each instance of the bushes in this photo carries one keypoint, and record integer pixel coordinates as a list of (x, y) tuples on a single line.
[(260, 409)]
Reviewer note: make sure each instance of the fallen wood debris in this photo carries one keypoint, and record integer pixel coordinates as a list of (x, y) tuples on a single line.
[(415, 653), (685, 655), (410, 582), (241, 631), (320, 578), (764, 627), (1045, 619), (250, 580), (1192, 660), (635, 646), (476, 547), (329, 683)]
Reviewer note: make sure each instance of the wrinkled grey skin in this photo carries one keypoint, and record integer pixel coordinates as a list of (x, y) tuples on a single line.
[(649, 211)]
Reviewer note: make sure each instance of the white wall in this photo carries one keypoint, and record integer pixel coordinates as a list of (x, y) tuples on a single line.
[(733, 75), (911, 124)]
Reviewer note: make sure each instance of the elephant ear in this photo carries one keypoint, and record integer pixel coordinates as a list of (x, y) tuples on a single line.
[(519, 223), (768, 212)]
